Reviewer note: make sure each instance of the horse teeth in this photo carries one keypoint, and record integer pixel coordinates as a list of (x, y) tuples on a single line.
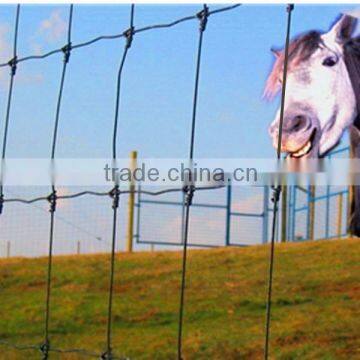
[(303, 150)]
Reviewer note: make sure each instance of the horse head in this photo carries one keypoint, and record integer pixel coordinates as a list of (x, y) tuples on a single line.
[(322, 97), (320, 102)]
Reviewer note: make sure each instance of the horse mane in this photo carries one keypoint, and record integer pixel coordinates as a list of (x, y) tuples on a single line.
[(352, 61), (300, 49)]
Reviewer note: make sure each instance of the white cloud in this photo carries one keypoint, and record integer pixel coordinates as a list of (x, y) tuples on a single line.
[(36, 48), (25, 78), (54, 27), (30, 78), (5, 49), (207, 228), (252, 204), (63, 191), (5, 52)]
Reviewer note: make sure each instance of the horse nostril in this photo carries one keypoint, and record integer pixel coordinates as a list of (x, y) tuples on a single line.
[(299, 123)]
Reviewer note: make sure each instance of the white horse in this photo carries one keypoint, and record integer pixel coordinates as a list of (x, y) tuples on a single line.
[(322, 96)]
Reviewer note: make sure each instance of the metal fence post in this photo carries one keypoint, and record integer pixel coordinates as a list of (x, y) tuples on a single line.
[(138, 213), (327, 214), (284, 213), (265, 215), (228, 214), (348, 209), (290, 204), (293, 224)]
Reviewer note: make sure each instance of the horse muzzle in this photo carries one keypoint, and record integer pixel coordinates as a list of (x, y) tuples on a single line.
[(300, 134)]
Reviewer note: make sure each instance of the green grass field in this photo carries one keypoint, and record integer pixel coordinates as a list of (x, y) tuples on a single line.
[(316, 309)]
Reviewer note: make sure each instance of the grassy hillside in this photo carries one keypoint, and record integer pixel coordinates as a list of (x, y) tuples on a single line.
[(316, 308)]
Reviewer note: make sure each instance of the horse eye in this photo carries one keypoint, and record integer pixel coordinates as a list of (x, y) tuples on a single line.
[(329, 61)]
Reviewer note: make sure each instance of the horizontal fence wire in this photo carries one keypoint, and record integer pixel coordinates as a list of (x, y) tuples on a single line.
[(66, 50), (121, 35), (217, 220), (82, 352), (45, 349), (107, 193)]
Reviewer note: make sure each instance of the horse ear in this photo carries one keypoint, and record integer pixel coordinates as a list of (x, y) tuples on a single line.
[(277, 53), (344, 28)]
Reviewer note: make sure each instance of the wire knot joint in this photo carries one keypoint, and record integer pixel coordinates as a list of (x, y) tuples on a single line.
[(290, 8), (106, 355), (67, 50), (13, 65), (189, 191), (1, 203), (115, 194), (45, 348), (129, 35), (52, 200), (276, 194), (203, 17)]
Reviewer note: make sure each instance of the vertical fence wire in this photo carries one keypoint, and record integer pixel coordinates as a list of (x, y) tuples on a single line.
[(190, 188), (277, 187), (45, 348), (115, 193), (13, 66)]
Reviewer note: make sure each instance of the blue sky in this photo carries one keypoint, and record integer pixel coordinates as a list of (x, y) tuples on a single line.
[(158, 80), (155, 109)]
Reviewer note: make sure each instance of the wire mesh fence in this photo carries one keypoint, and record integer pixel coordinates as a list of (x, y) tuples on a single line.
[(231, 216), (227, 216), (24, 225), (53, 199), (224, 216), (318, 213)]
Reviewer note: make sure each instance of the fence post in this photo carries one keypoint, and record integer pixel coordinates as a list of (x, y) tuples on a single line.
[(290, 214), (284, 213), (327, 214), (78, 248), (311, 212), (138, 213), (8, 249), (339, 217), (348, 209), (293, 220), (130, 232), (228, 214)]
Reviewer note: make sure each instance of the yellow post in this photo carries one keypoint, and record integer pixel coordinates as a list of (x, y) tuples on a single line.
[(339, 217), (131, 205)]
